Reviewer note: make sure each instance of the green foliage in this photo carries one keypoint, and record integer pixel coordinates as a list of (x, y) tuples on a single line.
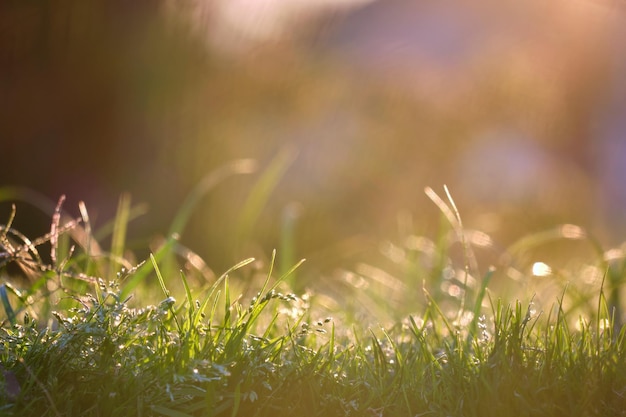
[(73, 343)]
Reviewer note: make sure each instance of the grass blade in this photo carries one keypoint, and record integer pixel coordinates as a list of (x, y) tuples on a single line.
[(118, 238), (188, 294), (240, 166), (7, 305), (261, 192), (479, 301), (142, 272), (159, 276)]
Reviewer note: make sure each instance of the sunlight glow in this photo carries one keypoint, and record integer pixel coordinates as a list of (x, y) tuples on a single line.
[(613, 254), (480, 239), (604, 324), (394, 253), (263, 20), (380, 276), (514, 274), (591, 274), (453, 290), (571, 231), (541, 269), (420, 244)]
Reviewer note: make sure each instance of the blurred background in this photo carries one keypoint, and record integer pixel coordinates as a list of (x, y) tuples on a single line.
[(350, 108)]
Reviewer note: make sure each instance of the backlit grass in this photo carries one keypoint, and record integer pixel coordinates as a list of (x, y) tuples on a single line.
[(90, 332)]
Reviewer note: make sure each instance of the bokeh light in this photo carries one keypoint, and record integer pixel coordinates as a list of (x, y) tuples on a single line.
[(518, 108)]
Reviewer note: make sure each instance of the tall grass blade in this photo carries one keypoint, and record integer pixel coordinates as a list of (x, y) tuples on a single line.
[(227, 305), (7, 305), (241, 166), (269, 272), (479, 301), (169, 301), (106, 229), (159, 276), (237, 167), (118, 239), (214, 287), (54, 231), (90, 246), (188, 294), (140, 274), (453, 216), (432, 303), (290, 271), (261, 192)]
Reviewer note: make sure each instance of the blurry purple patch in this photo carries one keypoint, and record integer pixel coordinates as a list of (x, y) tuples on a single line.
[(11, 384)]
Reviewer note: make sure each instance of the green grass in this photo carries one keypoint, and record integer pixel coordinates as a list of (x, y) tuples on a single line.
[(97, 333)]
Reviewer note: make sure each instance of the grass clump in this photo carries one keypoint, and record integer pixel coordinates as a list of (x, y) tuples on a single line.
[(83, 339)]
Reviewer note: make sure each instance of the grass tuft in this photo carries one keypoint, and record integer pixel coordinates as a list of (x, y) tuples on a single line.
[(78, 340)]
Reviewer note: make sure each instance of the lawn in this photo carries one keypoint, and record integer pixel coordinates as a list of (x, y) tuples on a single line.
[(88, 331)]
